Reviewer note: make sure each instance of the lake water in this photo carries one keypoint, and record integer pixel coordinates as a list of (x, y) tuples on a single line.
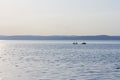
[(59, 60)]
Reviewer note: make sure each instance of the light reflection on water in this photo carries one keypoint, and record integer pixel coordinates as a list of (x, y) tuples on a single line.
[(59, 60)]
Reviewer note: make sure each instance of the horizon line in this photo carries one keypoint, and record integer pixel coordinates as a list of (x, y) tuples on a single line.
[(59, 35)]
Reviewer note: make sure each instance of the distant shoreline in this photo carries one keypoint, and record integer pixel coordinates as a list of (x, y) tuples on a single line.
[(26, 37)]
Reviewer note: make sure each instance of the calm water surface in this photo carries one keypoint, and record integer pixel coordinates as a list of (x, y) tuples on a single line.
[(59, 60)]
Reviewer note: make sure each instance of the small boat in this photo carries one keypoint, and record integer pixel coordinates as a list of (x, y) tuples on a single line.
[(84, 43), (75, 43)]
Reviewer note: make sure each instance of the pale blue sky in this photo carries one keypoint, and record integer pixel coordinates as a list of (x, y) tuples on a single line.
[(59, 17)]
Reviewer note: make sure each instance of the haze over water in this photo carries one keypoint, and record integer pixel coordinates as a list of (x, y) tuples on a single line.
[(59, 60)]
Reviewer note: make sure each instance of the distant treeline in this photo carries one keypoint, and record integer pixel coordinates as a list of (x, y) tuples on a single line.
[(25, 37)]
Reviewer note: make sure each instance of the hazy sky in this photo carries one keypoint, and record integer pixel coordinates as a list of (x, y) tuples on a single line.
[(59, 17)]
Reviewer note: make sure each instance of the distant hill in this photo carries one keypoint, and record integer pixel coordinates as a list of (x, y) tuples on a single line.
[(29, 37)]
